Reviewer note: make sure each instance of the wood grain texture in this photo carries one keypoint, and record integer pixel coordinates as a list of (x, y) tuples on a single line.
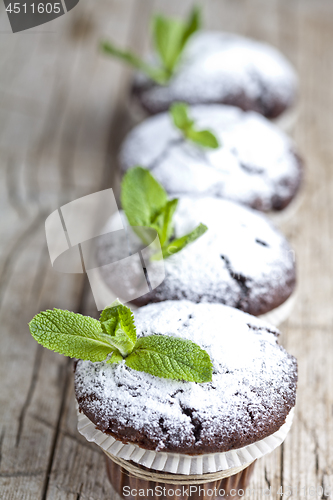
[(63, 113)]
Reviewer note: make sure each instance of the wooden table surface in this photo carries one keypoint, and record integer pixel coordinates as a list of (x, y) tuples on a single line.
[(62, 115)]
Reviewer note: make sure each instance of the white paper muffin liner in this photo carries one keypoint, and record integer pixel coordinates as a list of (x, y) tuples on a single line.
[(177, 463), (281, 313)]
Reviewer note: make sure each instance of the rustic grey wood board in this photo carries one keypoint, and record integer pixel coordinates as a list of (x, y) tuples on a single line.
[(63, 112)]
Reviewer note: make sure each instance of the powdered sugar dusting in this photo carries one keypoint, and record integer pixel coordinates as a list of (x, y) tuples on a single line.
[(241, 261), (224, 67), (255, 165), (252, 391)]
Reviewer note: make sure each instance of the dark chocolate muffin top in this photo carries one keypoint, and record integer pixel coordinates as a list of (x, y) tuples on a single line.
[(241, 261), (252, 391), (255, 165), (225, 68)]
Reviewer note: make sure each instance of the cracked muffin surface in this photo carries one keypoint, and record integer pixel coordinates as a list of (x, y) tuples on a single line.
[(241, 261), (252, 391), (256, 164)]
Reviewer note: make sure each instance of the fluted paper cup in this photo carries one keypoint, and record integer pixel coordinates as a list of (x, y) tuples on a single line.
[(131, 468)]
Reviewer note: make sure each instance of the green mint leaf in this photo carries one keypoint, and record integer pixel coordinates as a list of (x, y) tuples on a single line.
[(142, 197), (145, 203), (181, 119), (115, 358), (71, 334), (81, 337), (122, 343), (192, 25), (167, 34), (117, 321), (171, 35), (171, 357), (179, 243), (179, 113), (203, 137), (163, 221), (159, 75)]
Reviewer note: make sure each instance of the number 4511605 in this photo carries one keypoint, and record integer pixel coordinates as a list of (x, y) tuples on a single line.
[(40, 8)]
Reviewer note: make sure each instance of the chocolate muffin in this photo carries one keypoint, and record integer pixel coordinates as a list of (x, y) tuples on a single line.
[(252, 391), (241, 260), (186, 425), (256, 164), (224, 68)]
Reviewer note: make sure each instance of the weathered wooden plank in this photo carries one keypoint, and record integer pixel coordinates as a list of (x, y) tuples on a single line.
[(62, 115), (308, 450), (26, 442), (307, 463), (311, 229)]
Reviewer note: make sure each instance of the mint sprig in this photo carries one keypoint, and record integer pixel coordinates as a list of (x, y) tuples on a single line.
[(170, 37), (146, 205), (114, 339), (158, 75), (71, 334), (179, 112), (178, 244)]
